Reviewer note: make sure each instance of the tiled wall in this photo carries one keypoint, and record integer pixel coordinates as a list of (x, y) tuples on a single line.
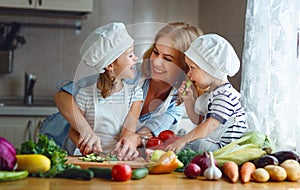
[(52, 54)]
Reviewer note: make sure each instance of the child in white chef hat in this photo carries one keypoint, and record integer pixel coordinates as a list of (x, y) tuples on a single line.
[(110, 106), (218, 113)]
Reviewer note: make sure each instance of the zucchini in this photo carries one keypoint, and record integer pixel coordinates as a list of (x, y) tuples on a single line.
[(33, 163), (139, 173), (105, 173), (13, 175), (77, 173)]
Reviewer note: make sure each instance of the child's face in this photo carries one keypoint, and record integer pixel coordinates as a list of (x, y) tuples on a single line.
[(124, 65), (196, 74)]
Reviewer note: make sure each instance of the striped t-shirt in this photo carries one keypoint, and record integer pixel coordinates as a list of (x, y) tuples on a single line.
[(85, 100), (224, 105)]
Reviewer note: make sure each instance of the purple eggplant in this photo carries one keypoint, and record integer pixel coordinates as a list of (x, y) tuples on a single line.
[(286, 154), (266, 160)]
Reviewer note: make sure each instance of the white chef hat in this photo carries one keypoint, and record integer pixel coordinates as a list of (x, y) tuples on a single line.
[(104, 45), (214, 55)]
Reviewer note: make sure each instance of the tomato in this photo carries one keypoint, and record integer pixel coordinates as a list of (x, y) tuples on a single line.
[(166, 134), (121, 172), (154, 141)]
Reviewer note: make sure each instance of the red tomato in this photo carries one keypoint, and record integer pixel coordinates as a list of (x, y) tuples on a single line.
[(121, 172), (166, 134), (154, 141)]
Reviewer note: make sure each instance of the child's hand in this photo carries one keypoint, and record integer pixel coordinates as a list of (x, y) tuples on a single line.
[(177, 145), (89, 143), (185, 90)]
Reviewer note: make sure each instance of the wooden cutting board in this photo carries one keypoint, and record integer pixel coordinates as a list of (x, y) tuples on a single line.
[(137, 163)]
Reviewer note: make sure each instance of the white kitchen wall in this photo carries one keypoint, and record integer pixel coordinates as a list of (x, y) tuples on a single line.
[(52, 54)]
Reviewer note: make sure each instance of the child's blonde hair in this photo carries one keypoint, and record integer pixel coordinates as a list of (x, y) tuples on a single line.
[(106, 84)]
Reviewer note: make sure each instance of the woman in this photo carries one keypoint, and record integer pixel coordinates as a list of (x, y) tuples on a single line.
[(161, 72)]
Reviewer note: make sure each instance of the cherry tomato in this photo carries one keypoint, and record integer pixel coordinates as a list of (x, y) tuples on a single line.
[(121, 172), (154, 141), (166, 134)]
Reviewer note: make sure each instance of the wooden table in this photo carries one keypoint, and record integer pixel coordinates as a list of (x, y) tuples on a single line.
[(173, 181)]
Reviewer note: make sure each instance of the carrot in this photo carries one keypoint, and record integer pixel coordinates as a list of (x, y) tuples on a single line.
[(246, 171), (231, 170)]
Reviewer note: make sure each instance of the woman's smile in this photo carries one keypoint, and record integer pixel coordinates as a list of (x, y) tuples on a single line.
[(157, 70)]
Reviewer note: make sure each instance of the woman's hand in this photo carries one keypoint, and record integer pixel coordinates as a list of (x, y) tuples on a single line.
[(126, 147)]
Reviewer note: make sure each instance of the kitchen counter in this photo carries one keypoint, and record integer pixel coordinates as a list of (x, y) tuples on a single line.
[(27, 110), (14, 106), (171, 181)]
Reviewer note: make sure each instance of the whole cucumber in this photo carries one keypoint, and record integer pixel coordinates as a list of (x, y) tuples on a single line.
[(13, 175), (286, 154), (139, 173), (104, 173), (77, 173)]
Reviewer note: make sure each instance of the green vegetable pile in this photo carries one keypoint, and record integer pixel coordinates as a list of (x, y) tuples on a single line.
[(49, 148), (250, 146), (185, 156)]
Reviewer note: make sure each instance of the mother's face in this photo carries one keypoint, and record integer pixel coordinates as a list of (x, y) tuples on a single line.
[(165, 61)]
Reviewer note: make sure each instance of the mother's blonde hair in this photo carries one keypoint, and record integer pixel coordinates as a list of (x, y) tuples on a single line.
[(182, 35)]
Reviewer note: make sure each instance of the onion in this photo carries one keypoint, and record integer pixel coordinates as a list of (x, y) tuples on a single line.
[(8, 158), (203, 161)]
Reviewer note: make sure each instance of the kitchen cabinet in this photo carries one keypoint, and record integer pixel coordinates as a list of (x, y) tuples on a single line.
[(50, 5), (18, 129)]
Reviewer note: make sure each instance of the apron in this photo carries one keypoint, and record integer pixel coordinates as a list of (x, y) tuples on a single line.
[(109, 119)]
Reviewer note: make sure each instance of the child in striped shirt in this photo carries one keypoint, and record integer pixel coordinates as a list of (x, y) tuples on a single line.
[(218, 113)]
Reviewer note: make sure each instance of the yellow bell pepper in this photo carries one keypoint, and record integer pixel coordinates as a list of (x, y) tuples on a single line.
[(167, 163)]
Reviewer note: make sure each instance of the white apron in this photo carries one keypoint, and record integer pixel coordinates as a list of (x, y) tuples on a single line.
[(109, 119)]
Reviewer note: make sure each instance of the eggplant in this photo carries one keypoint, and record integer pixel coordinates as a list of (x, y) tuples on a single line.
[(266, 160), (286, 154)]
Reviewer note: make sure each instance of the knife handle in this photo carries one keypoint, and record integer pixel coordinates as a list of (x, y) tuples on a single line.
[(6, 45)]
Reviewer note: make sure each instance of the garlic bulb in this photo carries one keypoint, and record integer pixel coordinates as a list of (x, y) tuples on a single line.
[(212, 172)]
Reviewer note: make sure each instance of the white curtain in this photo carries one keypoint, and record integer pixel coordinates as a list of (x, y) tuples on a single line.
[(270, 85)]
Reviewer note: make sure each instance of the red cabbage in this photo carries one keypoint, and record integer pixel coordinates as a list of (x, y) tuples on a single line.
[(8, 157)]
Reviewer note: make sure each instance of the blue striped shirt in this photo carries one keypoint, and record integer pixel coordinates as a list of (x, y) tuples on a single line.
[(225, 106)]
